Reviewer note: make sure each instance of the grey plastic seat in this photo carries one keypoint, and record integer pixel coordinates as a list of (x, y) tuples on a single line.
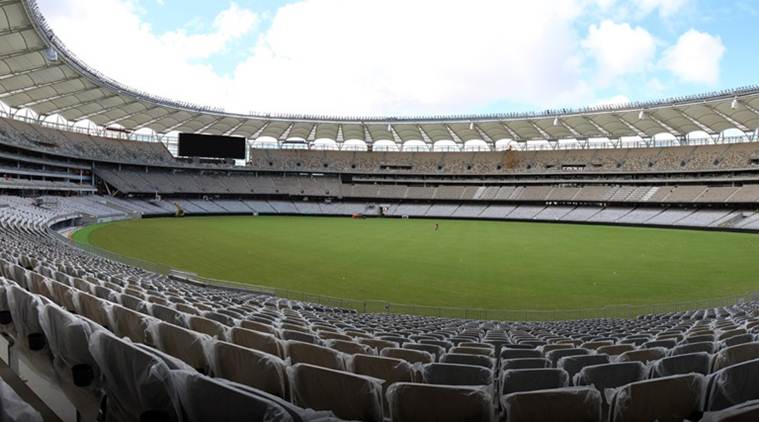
[(468, 359), (516, 380), (348, 396), (573, 364), (410, 402), (300, 352), (456, 374), (167, 314), (25, 309), (436, 351), (642, 355), (672, 398), (388, 370), (411, 356), (14, 408), (704, 346), (736, 340), (555, 355), (207, 326), (250, 367), (136, 383), (520, 353), (681, 364), (525, 363), (743, 412), (256, 340), (181, 343), (732, 385), (205, 399), (68, 339), (573, 404), (610, 375), (128, 323), (735, 354)]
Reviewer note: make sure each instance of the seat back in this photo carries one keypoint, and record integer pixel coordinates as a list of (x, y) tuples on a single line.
[(256, 340), (348, 396), (681, 364), (250, 367), (573, 364), (206, 399), (455, 374), (135, 381), (410, 402), (181, 343), (562, 404), (610, 375), (300, 352), (676, 397), (68, 338), (516, 380), (468, 359), (411, 356), (735, 354), (732, 385), (525, 363)]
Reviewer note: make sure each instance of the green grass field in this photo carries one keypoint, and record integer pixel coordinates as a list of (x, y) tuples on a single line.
[(476, 264)]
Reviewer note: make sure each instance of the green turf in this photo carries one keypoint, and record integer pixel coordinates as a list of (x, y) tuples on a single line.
[(477, 264)]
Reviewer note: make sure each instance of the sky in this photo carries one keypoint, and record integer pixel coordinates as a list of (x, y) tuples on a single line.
[(412, 57)]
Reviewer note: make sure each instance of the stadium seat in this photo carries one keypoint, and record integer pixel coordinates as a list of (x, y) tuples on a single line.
[(181, 343), (24, 310), (468, 359), (300, 352), (207, 326), (732, 385), (560, 405), (456, 374), (676, 397), (642, 355), (573, 364), (735, 354), (705, 347), (409, 402), (525, 363), (434, 350), (137, 384), (256, 340), (681, 364), (744, 412), (68, 339), (250, 367), (349, 396), (411, 356), (205, 399), (517, 380), (610, 375)]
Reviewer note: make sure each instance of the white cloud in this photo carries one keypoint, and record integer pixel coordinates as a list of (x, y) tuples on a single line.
[(619, 48), (613, 101), (344, 57), (117, 42), (664, 7), (695, 57)]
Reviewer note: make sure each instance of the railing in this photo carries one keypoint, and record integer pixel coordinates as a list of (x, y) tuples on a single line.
[(379, 306)]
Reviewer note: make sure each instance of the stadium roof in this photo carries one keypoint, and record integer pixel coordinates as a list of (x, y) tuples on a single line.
[(38, 72)]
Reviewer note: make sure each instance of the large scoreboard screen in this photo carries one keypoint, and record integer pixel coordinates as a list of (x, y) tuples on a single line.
[(211, 146)]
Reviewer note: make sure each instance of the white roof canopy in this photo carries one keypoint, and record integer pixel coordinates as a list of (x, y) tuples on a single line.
[(39, 73)]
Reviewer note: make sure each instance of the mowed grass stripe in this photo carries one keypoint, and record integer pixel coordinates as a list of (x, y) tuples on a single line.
[(477, 264)]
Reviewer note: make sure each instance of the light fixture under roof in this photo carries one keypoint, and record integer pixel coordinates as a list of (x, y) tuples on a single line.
[(51, 54), (641, 115), (734, 103)]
